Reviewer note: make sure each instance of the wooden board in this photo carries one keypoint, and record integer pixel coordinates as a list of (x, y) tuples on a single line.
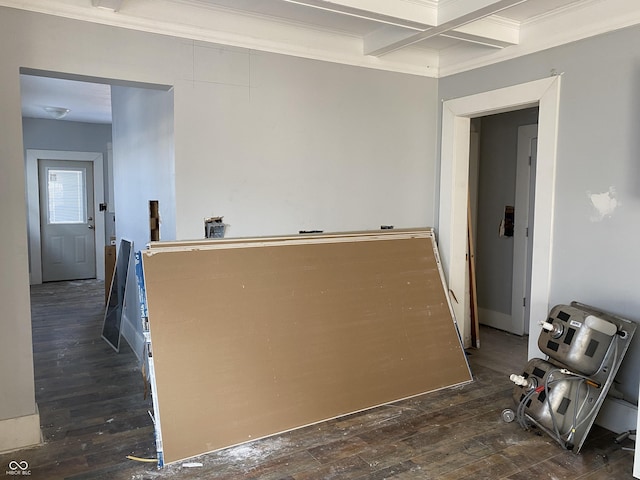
[(473, 300), (281, 239), (109, 267), (254, 338)]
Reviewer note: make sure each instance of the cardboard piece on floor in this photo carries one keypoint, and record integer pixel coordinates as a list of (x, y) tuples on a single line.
[(255, 337)]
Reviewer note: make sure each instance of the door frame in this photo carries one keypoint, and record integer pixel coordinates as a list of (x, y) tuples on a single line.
[(454, 183), (33, 206)]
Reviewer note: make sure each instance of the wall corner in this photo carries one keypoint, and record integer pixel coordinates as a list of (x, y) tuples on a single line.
[(20, 432)]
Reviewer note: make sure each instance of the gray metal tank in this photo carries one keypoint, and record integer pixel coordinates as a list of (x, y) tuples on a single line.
[(566, 397), (578, 339)]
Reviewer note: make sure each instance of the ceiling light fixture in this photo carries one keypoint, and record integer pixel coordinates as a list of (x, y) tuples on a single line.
[(56, 112), (113, 5)]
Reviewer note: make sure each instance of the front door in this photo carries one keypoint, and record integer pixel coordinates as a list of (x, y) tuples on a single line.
[(66, 220)]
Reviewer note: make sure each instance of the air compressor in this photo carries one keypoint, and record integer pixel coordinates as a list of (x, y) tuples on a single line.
[(562, 394)]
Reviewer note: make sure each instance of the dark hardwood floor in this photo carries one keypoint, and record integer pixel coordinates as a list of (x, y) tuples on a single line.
[(93, 415)]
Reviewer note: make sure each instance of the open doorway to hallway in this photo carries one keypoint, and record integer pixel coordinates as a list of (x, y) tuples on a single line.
[(84, 389), (67, 138), (501, 187), (64, 154), (454, 188)]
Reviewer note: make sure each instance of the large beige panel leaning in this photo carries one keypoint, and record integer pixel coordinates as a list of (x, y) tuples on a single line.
[(252, 337)]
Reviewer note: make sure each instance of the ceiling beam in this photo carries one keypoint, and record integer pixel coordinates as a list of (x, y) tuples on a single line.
[(400, 13), (382, 42), (486, 31), (491, 31), (480, 40), (381, 38)]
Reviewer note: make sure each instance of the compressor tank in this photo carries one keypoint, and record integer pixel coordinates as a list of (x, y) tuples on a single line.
[(576, 338), (564, 394)]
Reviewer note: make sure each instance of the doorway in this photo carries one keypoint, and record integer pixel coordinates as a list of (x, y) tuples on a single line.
[(501, 184), (70, 159), (67, 224), (454, 185)]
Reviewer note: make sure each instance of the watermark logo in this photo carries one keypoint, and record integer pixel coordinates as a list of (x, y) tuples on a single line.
[(18, 468)]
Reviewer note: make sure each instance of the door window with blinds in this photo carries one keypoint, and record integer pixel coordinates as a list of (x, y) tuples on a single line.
[(66, 196)]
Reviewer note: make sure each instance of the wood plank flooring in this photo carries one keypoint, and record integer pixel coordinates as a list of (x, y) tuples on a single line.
[(93, 415)]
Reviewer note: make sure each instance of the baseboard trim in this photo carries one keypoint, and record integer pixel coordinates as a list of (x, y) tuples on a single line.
[(20, 432), (617, 415), (494, 319)]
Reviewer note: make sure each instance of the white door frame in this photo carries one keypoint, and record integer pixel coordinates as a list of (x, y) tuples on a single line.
[(33, 206), (454, 180)]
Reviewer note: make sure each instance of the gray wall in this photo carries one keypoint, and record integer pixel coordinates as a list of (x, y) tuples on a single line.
[(281, 144), (496, 189), (273, 143), (595, 260), (143, 170), (44, 134)]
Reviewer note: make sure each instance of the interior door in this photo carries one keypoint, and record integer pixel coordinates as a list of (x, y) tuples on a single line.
[(523, 228), (532, 190), (66, 220)]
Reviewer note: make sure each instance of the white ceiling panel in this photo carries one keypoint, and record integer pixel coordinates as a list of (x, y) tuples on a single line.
[(87, 102)]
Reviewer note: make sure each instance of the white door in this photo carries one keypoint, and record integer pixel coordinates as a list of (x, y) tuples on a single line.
[(523, 228), (66, 220), (532, 191)]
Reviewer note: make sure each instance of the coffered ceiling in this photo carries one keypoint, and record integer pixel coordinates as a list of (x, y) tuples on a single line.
[(425, 37)]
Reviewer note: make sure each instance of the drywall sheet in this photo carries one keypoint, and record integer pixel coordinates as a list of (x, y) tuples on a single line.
[(251, 338)]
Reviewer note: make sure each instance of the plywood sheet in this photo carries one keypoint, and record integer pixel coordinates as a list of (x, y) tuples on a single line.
[(109, 267), (254, 338)]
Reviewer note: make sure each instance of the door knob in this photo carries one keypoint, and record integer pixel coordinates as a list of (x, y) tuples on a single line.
[(91, 227)]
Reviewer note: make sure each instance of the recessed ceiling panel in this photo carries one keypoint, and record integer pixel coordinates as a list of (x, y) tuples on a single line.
[(292, 12), (533, 8)]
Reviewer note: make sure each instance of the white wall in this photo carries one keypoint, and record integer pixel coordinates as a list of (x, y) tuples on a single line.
[(16, 358), (595, 258), (283, 144), (143, 170), (143, 162)]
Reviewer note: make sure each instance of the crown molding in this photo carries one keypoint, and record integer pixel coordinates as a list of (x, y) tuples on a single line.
[(199, 20), (549, 31)]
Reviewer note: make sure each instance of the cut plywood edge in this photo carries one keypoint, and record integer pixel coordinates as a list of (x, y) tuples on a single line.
[(208, 243), (253, 337)]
